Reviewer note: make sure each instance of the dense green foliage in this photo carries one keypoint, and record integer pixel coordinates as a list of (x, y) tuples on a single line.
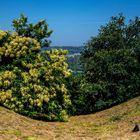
[(39, 84), (33, 83), (38, 31), (111, 66)]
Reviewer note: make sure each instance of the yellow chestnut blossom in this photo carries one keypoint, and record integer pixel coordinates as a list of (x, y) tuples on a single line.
[(33, 72), (37, 88), (20, 46), (2, 34)]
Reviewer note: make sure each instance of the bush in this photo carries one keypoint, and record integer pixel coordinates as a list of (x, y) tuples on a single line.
[(33, 82)]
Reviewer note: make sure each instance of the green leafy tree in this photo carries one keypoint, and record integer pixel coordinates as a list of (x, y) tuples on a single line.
[(38, 31), (33, 83), (111, 65)]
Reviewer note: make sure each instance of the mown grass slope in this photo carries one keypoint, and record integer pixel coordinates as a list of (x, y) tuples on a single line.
[(115, 123)]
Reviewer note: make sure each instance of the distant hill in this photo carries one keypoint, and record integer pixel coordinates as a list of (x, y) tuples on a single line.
[(71, 49)]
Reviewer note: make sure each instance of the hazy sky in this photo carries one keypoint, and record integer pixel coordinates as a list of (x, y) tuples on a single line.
[(73, 21)]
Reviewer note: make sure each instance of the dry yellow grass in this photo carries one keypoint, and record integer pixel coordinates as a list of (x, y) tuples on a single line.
[(115, 123)]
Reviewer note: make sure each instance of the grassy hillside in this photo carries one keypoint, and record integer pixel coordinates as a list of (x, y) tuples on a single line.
[(115, 123)]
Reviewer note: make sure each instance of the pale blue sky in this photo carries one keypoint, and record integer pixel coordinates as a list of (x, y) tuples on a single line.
[(73, 21)]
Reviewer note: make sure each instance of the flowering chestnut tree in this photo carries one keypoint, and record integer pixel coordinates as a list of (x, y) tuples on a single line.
[(31, 82)]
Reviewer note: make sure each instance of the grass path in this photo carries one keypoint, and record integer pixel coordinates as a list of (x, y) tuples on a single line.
[(115, 123)]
